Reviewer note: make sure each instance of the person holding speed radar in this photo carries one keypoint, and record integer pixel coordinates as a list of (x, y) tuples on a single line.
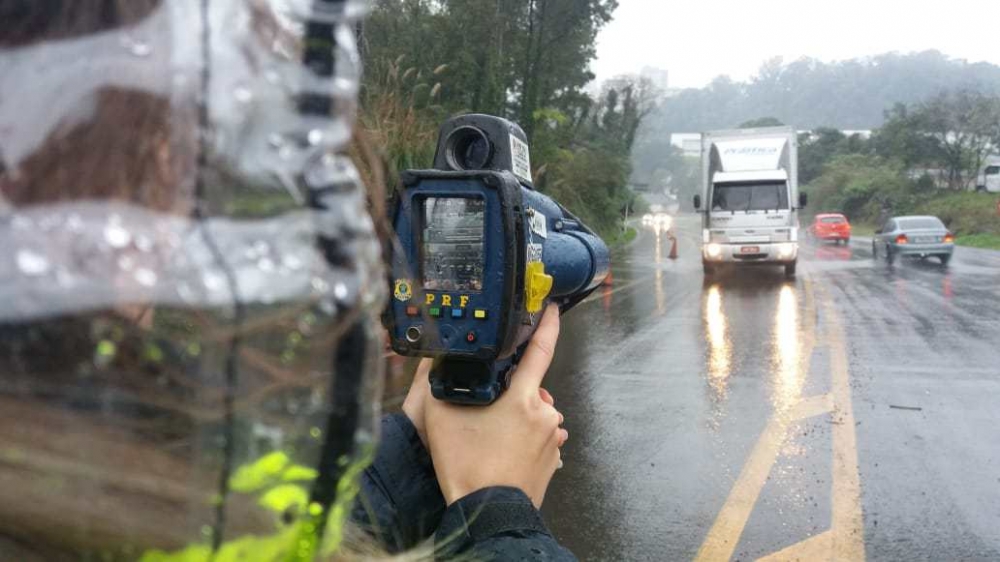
[(190, 349)]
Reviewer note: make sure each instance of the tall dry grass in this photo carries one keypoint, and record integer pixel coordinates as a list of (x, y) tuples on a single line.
[(400, 114)]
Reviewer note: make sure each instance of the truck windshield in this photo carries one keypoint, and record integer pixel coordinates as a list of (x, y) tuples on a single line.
[(750, 196)]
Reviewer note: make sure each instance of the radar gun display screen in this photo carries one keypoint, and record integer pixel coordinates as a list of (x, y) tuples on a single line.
[(453, 231)]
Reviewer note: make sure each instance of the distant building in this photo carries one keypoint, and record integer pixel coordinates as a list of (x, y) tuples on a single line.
[(658, 76), (688, 143)]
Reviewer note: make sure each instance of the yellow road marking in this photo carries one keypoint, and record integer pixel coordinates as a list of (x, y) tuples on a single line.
[(847, 522), (732, 519), (845, 539), (725, 533), (813, 406)]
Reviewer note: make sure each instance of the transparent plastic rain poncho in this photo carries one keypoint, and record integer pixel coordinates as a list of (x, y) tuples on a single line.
[(189, 282)]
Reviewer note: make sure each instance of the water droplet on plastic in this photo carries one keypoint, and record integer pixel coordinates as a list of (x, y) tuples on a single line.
[(74, 223), (243, 94), (292, 262), (47, 223), (320, 285), (214, 281), (32, 263), (315, 137), (261, 247), (266, 265), (274, 140), (185, 292), (145, 277), (340, 291), (116, 236), (22, 223), (136, 47), (143, 243), (64, 278), (328, 307), (126, 263)]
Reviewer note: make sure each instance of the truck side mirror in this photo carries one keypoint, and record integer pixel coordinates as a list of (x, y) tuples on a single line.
[(803, 200), (697, 202)]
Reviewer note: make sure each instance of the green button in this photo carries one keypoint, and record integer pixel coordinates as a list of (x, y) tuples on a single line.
[(435, 312)]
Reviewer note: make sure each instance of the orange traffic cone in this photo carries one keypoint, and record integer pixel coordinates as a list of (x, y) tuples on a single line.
[(673, 247)]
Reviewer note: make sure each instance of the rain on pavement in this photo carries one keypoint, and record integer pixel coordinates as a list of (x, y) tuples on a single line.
[(849, 413)]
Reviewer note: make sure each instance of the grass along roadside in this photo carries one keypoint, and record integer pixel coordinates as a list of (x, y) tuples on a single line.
[(987, 241), (862, 230), (623, 238)]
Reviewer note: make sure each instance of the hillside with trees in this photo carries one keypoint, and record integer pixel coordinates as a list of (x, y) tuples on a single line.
[(808, 93)]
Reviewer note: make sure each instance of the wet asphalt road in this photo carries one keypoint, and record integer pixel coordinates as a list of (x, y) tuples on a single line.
[(851, 413)]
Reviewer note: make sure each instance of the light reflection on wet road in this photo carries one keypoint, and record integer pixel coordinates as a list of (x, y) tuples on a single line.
[(850, 413)]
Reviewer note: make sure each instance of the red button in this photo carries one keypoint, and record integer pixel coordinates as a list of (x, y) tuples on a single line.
[(470, 337), (412, 311)]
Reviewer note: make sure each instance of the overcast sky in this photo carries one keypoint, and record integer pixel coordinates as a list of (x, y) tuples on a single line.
[(697, 40)]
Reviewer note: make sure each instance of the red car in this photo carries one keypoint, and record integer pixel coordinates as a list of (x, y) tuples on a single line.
[(831, 226)]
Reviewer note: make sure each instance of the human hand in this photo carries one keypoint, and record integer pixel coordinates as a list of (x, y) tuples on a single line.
[(513, 442), (419, 394)]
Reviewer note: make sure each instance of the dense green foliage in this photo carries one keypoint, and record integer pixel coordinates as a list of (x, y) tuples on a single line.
[(761, 122), (526, 60), (922, 161), (972, 214)]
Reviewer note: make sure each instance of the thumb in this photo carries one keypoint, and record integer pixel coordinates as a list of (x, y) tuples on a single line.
[(537, 358)]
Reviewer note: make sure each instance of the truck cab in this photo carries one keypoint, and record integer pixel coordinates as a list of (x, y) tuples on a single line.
[(749, 201), (988, 178)]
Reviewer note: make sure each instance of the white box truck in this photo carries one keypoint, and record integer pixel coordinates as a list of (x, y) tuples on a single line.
[(749, 198), (988, 178)]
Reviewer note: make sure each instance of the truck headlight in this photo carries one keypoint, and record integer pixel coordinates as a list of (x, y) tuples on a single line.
[(713, 250)]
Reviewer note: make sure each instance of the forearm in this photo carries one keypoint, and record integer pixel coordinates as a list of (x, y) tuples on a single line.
[(400, 502), (497, 523)]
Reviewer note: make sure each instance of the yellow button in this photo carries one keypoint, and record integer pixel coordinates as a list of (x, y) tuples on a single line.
[(536, 286), (480, 314)]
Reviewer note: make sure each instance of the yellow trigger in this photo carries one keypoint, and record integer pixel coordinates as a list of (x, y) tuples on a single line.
[(536, 286)]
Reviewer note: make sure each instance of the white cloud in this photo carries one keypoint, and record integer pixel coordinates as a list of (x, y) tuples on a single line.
[(696, 40)]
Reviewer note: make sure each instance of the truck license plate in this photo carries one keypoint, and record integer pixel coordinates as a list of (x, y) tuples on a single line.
[(750, 250)]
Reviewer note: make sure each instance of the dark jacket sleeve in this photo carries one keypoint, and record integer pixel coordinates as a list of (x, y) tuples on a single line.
[(496, 524), (400, 502)]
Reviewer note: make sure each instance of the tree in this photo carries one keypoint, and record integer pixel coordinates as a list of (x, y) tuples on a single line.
[(861, 186), (961, 125), (761, 122), (557, 42), (527, 60), (900, 138)]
